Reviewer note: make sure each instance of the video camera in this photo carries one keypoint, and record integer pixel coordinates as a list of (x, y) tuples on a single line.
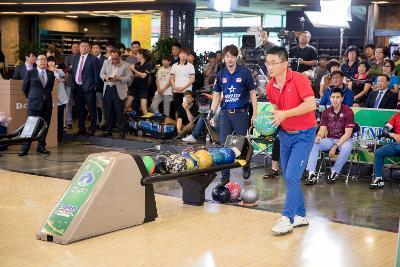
[(287, 38), (252, 55)]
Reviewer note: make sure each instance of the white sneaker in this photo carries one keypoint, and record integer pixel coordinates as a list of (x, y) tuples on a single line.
[(189, 139), (282, 226), (299, 221)]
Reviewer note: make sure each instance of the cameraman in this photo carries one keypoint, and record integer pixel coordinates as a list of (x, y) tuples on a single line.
[(305, 54)]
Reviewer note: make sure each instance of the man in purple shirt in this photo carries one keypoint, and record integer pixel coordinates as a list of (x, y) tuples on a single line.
[(335, 134)]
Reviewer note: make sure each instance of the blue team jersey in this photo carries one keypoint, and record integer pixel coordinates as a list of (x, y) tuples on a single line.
[(235, 87)]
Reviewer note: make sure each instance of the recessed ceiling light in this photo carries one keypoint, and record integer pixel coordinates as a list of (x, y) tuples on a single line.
[(298, 5), (380, 2), (72, 17)]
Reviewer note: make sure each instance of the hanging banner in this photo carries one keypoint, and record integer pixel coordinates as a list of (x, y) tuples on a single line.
[(141, 29)]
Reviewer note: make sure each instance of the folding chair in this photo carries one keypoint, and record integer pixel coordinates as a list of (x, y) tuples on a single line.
[(326, 160)]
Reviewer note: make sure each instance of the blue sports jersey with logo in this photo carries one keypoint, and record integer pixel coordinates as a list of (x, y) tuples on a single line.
[(235, 87)]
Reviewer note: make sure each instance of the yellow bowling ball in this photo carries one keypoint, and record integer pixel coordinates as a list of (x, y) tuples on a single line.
[(205, 159)]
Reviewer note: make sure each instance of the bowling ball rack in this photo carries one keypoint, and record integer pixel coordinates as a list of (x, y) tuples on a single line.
[(195, 182), (30, 131)]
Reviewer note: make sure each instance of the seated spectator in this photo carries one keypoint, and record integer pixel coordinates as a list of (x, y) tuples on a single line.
[(140, 85), (337, 82), (164, 88), (391, 130), (350, 67), (116, 75), (321, 71), (382, 97), (61, 95), (396, 60), (335, 134), (333, 65), (388, 69), (376, 66), (360, 84), (200, 125), (369, 52), (210, 71), (188, 111)]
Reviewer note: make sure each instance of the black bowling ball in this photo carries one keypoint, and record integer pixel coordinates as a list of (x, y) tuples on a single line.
[(221, 194)]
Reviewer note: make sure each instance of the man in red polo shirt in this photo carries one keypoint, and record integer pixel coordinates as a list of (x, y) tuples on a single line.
[(293, 99), (391, 130)]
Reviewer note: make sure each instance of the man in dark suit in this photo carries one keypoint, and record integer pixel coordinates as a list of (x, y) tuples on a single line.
[(22, 69), (96, 51), (37, 87), (85, 71), (383, 97)]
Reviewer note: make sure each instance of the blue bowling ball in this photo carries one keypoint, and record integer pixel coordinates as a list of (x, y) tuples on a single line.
[(229, 155), (217, 156)]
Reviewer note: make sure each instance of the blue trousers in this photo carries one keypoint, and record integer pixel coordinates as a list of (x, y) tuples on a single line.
[(228, 123), (200, 125), (325, 145), (295, 150), (388, 150)]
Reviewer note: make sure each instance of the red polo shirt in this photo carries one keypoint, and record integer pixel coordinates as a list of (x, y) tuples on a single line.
[(296, 88), (395, 122)]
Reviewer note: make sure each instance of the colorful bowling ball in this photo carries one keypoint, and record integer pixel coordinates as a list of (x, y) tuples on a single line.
[(149, 163), (217, 156), (161, 161), (234, 190), (264, 125), (249, 194), (229, 155), (176, 164), (205, 159), (190, 156), (221, 194)]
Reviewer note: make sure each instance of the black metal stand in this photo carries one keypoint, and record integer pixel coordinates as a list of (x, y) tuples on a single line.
[(194, 188)]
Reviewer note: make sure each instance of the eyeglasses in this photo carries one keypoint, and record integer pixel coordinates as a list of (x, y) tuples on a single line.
[(387, 66), (272, 64)]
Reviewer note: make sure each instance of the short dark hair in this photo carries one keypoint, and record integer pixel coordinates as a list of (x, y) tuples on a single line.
[(385, 50), (29, 52), (307, 32), (211, 55), (365, 63), (337, 90), (218, 52), (74, 43), (323, 56), (84, 41), (96, 43), (166, 57), (231, 49), (114, 50), (191, 93), (337, 72), (280, 51), (110, 44), (352, 48), (135, 43), (51, 58), (372, 46), (384, 75), (333, 62), (392, 64), (176, 44), (396, 53), (145, 53), (119, 46)]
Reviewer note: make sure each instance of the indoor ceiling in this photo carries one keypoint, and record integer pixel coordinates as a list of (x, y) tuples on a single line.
[(119, 6)]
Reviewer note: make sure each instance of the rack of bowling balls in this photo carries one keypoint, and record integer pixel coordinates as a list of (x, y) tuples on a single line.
[(195, 167)]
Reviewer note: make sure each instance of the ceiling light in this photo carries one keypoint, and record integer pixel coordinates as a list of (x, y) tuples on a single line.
[(84, 2), (380, 2), (223, 5), (298, 5), (72, 17)]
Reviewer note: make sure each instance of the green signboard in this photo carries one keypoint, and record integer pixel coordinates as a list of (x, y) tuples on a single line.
[(76, 195), (371, 121)]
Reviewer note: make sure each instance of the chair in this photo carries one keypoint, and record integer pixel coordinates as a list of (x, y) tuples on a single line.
[(325, 159)]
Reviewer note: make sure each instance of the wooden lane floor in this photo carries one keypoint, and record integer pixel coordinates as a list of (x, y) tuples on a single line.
[(212, 235)]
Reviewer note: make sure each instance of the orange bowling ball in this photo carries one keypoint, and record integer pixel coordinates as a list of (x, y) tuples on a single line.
[(205, 159)]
